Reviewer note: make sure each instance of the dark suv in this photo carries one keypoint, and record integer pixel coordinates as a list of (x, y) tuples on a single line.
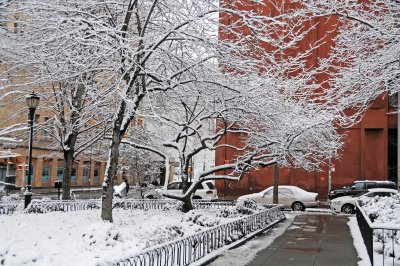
[(360, 186)]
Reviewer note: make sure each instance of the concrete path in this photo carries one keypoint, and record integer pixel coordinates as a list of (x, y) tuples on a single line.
[(312, 240)]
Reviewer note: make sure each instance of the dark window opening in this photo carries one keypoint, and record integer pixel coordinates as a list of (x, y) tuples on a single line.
[(392, 155)]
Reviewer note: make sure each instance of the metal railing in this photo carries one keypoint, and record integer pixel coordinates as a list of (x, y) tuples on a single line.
[(42, 206), (9, 208), (387, 236), (187, 250)]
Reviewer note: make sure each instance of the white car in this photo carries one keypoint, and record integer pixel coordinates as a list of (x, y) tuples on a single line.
[(205, 190), (347, 204), (289, 196)]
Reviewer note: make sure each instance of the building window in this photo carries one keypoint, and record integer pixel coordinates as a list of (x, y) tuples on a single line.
[(32, 175), (85, 174), (46, 174), (96, 178), (60, 173), (73, 175)]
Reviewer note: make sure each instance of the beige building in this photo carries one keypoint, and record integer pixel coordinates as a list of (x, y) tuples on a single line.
[(47, 167)]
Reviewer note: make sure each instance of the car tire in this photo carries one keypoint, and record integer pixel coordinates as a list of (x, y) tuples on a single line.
[(298, 206), (150, 197), (196, 197), (348, 209)]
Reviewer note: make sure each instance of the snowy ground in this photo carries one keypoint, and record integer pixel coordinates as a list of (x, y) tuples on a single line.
[(81, 238), (358, 242), (247, 252)]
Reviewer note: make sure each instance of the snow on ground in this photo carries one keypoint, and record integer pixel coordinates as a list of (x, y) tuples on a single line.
[(246, 253), (358, 242), (81, 238)]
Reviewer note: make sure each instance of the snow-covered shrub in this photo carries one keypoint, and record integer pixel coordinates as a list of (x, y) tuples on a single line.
[(247, 206), (93, 205), (151, 194), (200, 219), (12, 197), (162, 235), (100, 235), (36, 208), (173, 205), (228, 213), (384, 211)]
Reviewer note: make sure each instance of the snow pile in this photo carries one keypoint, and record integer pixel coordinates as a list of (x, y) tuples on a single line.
[(9, 198), (82, 238), (119, 190), (384, 211)]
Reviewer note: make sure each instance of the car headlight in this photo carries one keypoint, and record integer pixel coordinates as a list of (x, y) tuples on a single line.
[(332, 193), (336, 203)]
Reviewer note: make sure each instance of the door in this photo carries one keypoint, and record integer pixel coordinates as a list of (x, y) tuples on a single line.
[(266, 198), (285, 197)]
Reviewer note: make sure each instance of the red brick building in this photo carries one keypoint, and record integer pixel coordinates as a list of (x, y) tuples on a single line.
[(370, 151)]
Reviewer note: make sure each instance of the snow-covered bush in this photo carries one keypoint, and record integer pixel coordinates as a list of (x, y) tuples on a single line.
[(201, 219), (247, 206), (384, 211), (9, 198), (36, 208), (163, 234)]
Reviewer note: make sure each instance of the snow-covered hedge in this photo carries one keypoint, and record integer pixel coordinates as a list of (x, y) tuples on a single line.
[(384, 212)]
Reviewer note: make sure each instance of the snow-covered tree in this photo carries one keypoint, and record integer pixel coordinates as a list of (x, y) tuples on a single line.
[(241, 68), (366, 54), (44, 53), (275, 127)]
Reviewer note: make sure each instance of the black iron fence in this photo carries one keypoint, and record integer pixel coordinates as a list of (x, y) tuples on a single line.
[(384, 239), (193, 248), (42, 206), (9, 208)]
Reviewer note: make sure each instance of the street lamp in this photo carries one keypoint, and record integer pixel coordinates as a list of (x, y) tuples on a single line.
[(32, 101)]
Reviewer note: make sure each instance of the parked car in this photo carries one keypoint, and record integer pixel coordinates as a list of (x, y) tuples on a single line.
[(360, 186), (205, 190), (289, 196), (347, 204)]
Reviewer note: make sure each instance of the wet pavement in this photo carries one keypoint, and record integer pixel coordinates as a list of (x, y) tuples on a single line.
[(311, 240)]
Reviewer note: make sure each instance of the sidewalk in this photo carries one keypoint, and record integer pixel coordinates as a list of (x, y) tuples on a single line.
[(312, 240)]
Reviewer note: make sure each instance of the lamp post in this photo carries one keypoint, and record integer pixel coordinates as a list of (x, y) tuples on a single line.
[(32, 101)]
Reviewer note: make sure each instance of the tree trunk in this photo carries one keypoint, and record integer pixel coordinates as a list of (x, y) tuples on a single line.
[(187, 203), (66, 182), (111, 171), (276, 183)]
